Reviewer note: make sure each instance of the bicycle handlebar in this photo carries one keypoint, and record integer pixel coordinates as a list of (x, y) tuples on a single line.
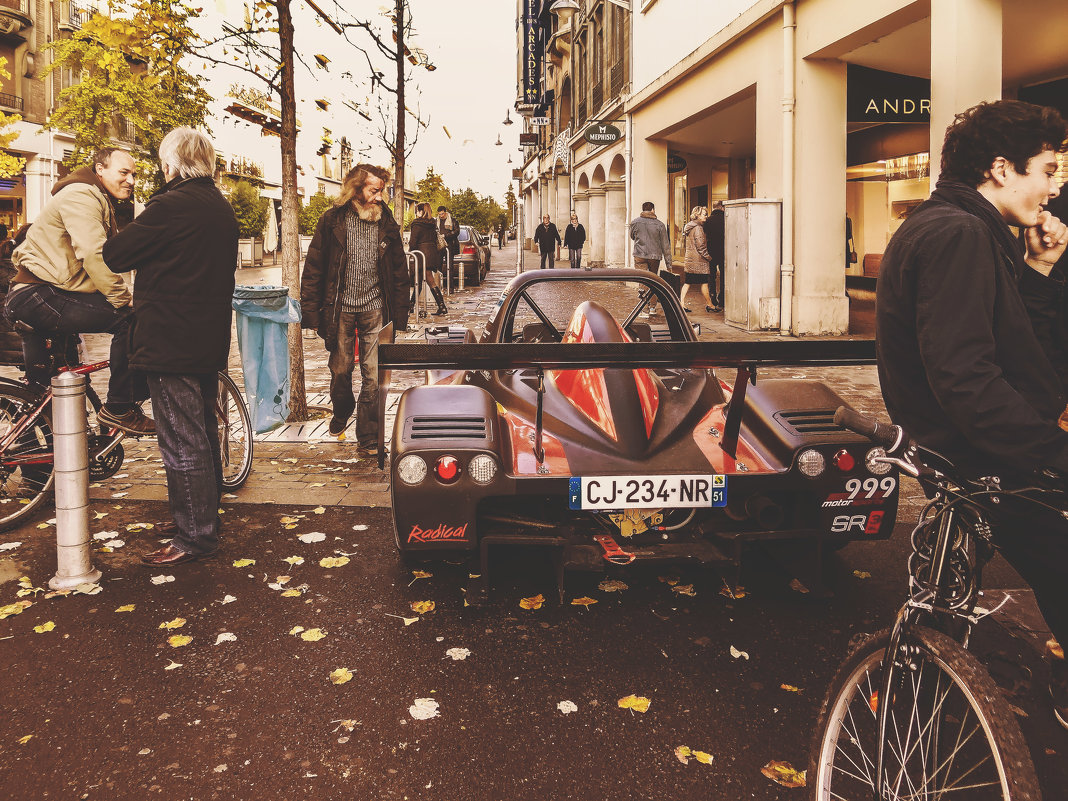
[(880, 433)]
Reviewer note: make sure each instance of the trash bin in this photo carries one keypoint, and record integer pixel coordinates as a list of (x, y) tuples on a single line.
[(263, 312)]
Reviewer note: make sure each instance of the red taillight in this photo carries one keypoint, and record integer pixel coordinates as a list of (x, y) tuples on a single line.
[(447, 469), (844, 461), (468, 250)]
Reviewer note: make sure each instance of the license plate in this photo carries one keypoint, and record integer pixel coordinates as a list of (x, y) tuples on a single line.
[(647, 492)]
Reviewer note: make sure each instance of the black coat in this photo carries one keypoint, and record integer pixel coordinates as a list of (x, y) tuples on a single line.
[(424, 238), (574, 236), (547, 237), (184, 248), (715, 236), (320, 285), (960, 366)]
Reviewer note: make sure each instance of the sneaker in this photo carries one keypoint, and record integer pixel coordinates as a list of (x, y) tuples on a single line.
[(337, 425), (133, 422), (367, 452)]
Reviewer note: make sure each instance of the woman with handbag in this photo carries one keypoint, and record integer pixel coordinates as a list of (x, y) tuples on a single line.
[(697, 255), (424, 238)]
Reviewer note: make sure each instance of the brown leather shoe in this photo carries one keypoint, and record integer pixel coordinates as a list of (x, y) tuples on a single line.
[(169, 556), (133, 422)]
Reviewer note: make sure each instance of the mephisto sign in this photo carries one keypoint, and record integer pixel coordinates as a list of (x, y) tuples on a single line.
[(602, 134)]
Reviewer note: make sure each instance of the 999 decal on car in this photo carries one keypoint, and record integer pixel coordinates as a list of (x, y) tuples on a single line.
[(869, 492)]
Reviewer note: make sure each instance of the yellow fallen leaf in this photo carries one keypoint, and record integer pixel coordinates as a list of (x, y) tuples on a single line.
[(683, 754), (172, 665), (684, 589), (341, 437), (288, 520), (291, 593), (313, 635), (583, 602), (784, 773), (177, 623), (26, 739), (49, 626), (1054, 649), (294, 560), (789, 688), (319, 510), (862, 574), (88, 588), (671, 581), (422, 607), (532, 603), (636, 703), (612, 585), (333, 561), (244, 562), (296, 630), (341, 675), (178, 640), (14, 609), (291, 525), (735, 593), (419, 574), (126, 608)]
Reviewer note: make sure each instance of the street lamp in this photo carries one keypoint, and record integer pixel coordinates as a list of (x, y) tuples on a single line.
[(507, 117), (498, 142)]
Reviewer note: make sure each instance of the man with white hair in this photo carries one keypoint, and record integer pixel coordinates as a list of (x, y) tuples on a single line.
[(184, 248)]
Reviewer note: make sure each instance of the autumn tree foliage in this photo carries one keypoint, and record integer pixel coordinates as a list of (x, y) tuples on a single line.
[(9, 165), (132, 84)]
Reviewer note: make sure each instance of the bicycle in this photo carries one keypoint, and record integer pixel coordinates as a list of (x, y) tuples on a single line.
[(911, 713), (26, 458)]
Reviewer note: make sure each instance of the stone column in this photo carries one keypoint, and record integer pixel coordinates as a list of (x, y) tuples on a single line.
[(615, 224), (531, 218), (965, 63), (38, 186), (595, 228), (563, 201), (820, 305)]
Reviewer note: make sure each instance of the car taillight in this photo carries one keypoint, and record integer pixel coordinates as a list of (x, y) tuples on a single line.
[(468, 250), (811, 463), (447, 469), (844, 461)]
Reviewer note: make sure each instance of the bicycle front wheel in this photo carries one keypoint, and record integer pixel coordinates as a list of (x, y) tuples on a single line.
[(27, 463), (949, 734), (235, 434)]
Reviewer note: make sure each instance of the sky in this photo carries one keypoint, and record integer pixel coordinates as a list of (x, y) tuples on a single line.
[(463, 101)]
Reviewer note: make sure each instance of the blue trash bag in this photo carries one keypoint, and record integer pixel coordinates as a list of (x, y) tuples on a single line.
[(263, 312)]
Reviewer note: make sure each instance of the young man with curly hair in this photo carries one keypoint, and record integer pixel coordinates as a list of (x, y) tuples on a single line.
[(960, 365)]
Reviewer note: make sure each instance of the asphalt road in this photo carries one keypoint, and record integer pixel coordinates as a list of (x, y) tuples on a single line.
[(257, 717)]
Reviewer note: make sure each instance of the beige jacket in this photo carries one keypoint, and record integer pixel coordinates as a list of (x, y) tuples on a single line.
[(63, 246)]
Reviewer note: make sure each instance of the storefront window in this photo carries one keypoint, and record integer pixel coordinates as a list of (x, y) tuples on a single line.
[(679, 214)]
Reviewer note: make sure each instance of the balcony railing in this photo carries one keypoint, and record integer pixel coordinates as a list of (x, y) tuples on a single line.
[(10, 101), (73, 15), (598, 96), (615, 77)]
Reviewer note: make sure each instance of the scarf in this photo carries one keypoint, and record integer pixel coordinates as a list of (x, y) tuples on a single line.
[(968, 199)]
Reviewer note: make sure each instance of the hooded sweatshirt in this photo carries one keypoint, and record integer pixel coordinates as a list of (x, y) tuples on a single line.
[(63, 246)]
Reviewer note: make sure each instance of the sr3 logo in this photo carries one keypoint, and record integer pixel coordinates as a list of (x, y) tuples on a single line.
[(865, 524)]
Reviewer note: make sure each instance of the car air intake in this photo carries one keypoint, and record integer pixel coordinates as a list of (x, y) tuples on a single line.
[(453, 427), (810, 421)]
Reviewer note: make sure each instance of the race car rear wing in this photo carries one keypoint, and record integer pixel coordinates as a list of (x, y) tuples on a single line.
[(745, 357)]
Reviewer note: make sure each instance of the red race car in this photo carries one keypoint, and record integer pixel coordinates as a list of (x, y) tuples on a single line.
[(589, 419)]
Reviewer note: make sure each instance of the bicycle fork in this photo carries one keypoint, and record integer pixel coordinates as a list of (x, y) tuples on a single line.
[(893, 659)]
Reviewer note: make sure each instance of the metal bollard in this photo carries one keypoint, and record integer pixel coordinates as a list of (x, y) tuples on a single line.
[(70, 444), (460, 275)]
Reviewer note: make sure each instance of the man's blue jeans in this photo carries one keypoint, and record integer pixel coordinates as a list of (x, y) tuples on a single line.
[(48, 308), (362, 328), (187, 429), (574, 255), (549, 257)]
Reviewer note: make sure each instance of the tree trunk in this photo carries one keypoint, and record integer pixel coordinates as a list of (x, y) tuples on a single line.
[(298, 399), (398, 147)]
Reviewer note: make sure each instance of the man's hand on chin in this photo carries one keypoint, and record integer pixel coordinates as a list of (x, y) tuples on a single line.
[(1045, 242)]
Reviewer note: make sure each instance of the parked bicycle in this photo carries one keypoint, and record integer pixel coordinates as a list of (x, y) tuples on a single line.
[(26, 451), (911, 713)]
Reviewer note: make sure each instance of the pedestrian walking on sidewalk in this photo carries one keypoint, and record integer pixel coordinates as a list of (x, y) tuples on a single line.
[(574, 239), (184, 248), (698, 258), (356, 281), (62, 284), (651, 246), (424, 238), (715, 236), (448, 237), (548, 239), (500, 236)]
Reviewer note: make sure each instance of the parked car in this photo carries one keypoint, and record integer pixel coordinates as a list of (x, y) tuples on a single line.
[(474, 257), (523, 437)]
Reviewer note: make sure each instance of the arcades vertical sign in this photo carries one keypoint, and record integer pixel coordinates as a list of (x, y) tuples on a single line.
[(877, 96), (531, 83)]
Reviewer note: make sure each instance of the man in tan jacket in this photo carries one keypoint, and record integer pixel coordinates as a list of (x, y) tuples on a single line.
[(62, 283)]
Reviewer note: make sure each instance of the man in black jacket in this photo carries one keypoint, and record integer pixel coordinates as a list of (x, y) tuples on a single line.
[(184, 248), (356, 281), (960, 366), (548, 239)]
